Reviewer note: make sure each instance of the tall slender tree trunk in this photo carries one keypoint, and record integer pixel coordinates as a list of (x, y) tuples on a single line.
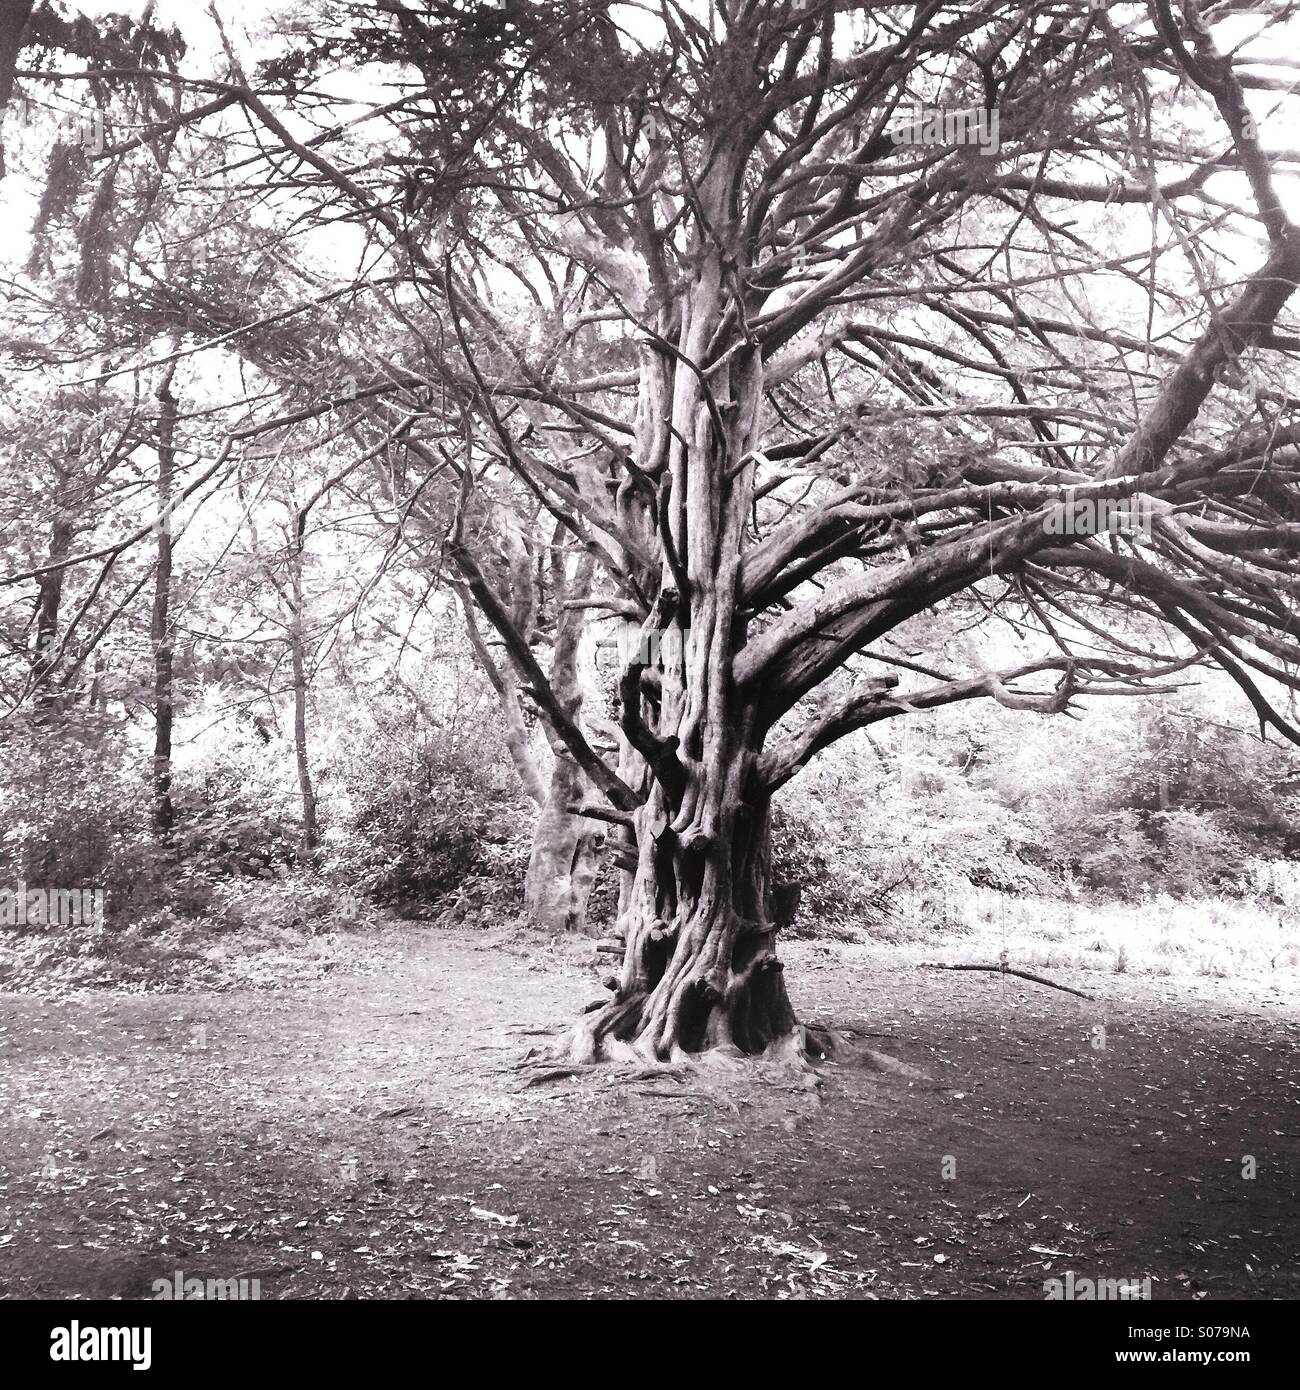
[(164, 816), (49, 600), (298, 661)]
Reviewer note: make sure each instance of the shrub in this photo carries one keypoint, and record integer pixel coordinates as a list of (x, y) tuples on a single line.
[(426, 816)]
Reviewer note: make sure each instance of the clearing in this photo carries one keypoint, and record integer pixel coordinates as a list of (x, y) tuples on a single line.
[(366, 1134)]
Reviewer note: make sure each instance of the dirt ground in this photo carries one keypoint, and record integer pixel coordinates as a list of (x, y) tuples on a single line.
[(368, 1134)]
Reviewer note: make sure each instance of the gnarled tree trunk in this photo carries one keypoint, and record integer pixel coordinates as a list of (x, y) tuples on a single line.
[(566, 849), (567, 846), (700, 969), (565, 854)]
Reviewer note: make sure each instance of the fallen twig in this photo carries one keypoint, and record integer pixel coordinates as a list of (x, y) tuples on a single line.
[(1001, 969)]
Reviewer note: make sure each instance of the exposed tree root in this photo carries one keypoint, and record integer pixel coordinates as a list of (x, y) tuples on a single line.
[(612, 1034), (726, 1102), (542, 1075), (796, 1060), (891, 1066)]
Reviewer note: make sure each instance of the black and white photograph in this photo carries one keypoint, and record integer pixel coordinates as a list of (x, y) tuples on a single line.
[(649, 652)]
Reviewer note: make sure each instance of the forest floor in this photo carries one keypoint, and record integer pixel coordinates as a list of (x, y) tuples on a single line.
[(367, 1133)]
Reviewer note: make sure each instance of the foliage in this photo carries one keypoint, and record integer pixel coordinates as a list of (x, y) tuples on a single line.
[(425, 813)]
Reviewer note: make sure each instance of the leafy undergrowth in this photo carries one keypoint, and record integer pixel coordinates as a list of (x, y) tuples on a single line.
[(182, 958), (257, 935), (273, 948), (1220, 938), (369, 1135)]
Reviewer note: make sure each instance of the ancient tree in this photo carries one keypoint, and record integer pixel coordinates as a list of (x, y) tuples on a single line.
[(802, 319), (802, 383)]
